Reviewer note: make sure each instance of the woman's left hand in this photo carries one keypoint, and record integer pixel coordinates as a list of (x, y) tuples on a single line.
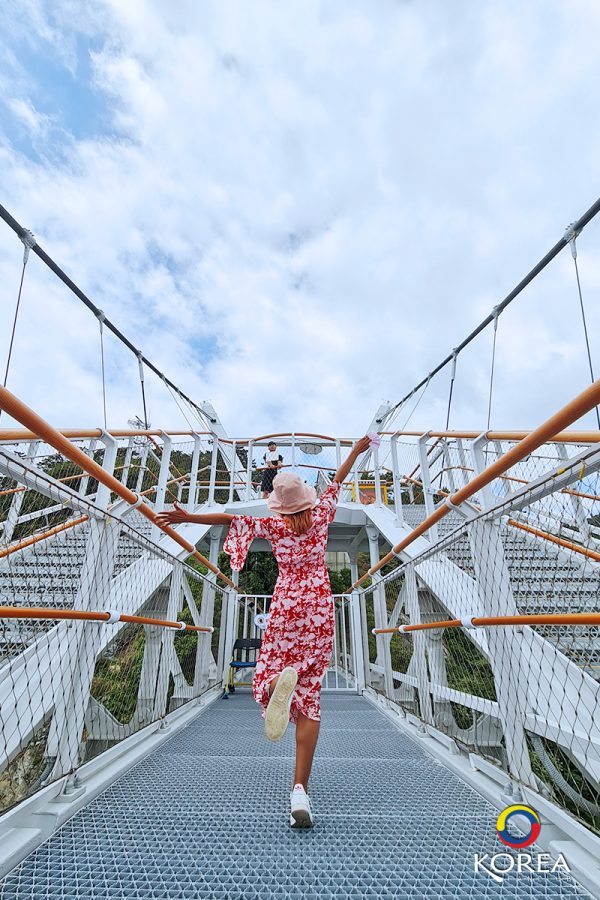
[(174, 516), (362, 445)]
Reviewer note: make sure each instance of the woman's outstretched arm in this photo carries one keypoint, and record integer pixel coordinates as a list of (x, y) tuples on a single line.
[(178, 515), (359, 447)]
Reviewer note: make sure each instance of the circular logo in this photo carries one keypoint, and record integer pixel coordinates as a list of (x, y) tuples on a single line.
[(524, 812)]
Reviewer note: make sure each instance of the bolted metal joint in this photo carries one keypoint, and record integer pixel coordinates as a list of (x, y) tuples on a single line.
[(29, 242)]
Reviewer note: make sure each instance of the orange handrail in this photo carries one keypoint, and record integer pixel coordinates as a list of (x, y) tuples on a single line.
[(19, 411), (171, 464), (12, 435), (155, 487), (566, 437), (579, 406), (514, 478), (80, 615), (428, 453), (16, 490), (562, 437), (42, 536), (481, 621), (570, 545), (579, 494), (36, 538), (471, 469), (577, 548)]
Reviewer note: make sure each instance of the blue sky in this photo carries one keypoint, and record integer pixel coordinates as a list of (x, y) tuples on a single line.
[(298, 209)]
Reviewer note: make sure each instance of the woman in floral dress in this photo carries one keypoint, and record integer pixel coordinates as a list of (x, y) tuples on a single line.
[(297, 643)]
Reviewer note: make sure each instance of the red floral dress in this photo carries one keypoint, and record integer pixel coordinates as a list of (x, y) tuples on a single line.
[(301, 618)]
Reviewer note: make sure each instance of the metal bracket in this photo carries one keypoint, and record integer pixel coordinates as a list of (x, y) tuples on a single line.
[(571, 235), (133, 506), (29, 242)]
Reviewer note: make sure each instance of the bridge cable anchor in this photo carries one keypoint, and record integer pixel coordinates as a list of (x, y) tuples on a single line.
[(570, 236), (29, 242)]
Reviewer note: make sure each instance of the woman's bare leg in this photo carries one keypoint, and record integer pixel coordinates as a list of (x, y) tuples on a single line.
[(307, 735)]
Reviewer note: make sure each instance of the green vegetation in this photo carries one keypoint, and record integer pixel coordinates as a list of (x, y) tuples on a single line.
[(19, 777), (573, 776), (467, 668), (185, 644), (117, 675)]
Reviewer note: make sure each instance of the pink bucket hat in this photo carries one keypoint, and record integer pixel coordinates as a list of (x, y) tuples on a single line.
[(290, 495)]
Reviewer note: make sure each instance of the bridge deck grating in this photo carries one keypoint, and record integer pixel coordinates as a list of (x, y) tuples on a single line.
[(206, 816)]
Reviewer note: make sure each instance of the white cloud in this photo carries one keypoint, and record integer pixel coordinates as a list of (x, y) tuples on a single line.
[(301, 208), (35, 122)]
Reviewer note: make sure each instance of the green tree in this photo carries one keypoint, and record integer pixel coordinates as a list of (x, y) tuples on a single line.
[(340, 581)]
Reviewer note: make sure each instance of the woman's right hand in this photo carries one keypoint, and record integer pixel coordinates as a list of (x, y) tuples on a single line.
[(174, 516)]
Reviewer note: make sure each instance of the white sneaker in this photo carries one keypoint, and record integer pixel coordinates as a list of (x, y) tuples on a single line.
[(277, 716), (301, 815)]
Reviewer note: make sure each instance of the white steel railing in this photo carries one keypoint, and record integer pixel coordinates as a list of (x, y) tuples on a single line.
[(525, 694), (75, 539), (342, 672), (410, 475), (102, 632)]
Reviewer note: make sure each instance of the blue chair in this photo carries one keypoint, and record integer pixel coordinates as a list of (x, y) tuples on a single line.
[(244, 656)]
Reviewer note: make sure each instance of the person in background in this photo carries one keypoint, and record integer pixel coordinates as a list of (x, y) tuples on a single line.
[(273, 462)]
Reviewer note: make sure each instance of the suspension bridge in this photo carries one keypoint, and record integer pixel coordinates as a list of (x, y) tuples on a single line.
[(464, 679)]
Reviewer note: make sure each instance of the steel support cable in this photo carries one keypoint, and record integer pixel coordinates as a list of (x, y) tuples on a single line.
[(452, 377), (180, 407), (22, 233), (571, 231), (141, 371), (100, 323), (495, 312), (389, 420), (202, 418), (15, 319), (410, 415), (28, 242), (560, 245)]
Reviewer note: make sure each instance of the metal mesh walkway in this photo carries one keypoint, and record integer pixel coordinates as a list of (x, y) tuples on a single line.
[(206, 816)]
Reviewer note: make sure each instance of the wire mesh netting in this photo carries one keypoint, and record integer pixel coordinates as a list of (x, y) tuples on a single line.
[(71, 688), (526, 696)]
